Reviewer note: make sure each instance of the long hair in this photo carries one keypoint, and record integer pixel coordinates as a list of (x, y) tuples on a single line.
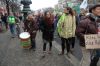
[(49, 20), (70, 11)]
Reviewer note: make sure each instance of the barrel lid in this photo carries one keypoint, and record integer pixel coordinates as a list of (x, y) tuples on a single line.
[(24, 35)]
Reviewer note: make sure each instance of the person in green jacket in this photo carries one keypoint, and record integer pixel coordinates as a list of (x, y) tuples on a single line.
[(12, 21), (66, 29)]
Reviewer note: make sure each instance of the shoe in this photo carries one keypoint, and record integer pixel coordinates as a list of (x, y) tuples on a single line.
[(34, 49), (49, 52), (13, 36), (31, 47), (71, 50), (94, 61), (61, 53), (44, 53), (68, 55)]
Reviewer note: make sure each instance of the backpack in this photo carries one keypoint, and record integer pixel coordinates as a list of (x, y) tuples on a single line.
[(11, 20)]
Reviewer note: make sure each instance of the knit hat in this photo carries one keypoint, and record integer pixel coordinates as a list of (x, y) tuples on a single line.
[(93, 7)]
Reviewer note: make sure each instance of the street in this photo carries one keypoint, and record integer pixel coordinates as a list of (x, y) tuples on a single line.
[(73, 19), (12, 54)]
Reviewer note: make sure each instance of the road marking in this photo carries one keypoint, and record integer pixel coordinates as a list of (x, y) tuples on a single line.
[(72, 58)]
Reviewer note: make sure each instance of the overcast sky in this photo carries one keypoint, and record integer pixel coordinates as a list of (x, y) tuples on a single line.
[(38, 4)]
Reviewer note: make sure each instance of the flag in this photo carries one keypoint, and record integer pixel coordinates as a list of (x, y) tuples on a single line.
[(84, 4)]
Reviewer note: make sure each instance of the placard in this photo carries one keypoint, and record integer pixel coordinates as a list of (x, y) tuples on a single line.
[(92, 41)]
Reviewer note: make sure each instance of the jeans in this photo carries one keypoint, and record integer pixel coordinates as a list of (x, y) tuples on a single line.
[(98, 53), (95, 59), (6, 25), (33, 44), (12, 29)]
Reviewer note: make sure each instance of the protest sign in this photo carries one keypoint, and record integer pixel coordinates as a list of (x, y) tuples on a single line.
[(92, 41)]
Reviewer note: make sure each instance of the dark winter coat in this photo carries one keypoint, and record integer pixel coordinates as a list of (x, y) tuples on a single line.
[(31, 27), (40, 19), (4, 19), (47, 30), (86, 26)]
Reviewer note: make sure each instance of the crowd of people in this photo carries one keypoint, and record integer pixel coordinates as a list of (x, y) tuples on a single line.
[(68, 25), (9, 22)]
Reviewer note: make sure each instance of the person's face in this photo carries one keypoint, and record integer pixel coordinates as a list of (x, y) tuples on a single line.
[(11, 14), (66, 10), (30, 18), (48, 14), (74, 12), (96, 11)]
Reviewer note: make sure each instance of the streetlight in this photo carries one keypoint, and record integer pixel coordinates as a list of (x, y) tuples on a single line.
[(26, 7)]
